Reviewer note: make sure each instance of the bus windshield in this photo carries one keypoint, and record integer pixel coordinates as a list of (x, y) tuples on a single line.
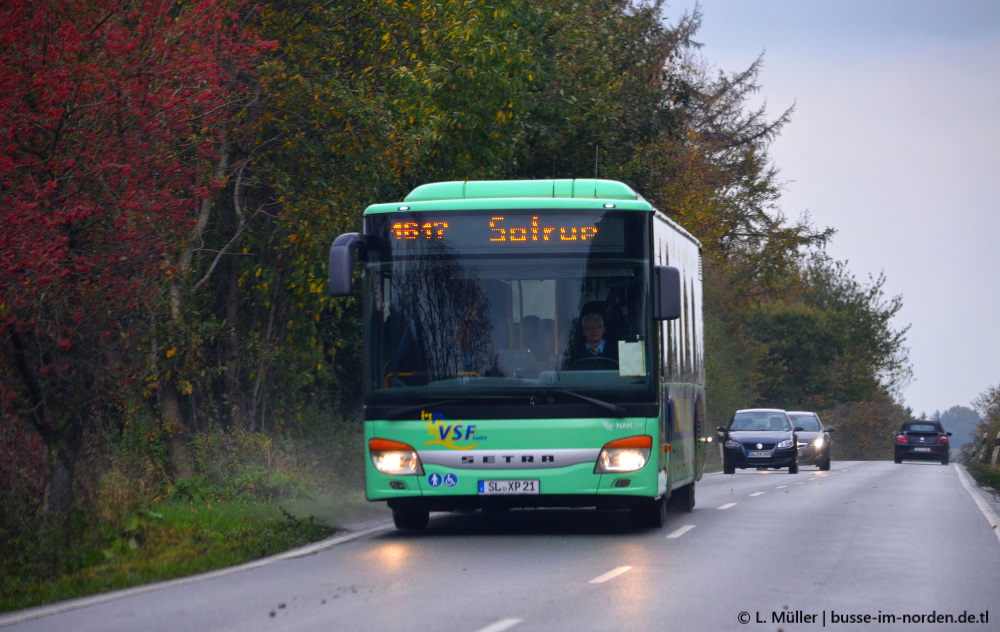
[(463, 319)]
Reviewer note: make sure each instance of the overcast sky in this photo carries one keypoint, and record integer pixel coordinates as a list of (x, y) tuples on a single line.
[(895, 143)]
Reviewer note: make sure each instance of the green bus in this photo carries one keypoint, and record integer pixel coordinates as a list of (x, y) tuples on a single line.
[(527, 344)]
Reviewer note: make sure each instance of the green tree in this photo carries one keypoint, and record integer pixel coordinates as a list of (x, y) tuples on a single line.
[(864, 429), (735, 363), (987, 404), (962, 422), (803, 343), (607, 84), (875, 356), (831, 340)]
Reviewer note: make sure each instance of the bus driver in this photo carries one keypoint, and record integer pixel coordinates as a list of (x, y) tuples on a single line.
[(594, 345)]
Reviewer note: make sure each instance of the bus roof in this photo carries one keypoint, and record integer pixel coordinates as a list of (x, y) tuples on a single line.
[(485, 194)]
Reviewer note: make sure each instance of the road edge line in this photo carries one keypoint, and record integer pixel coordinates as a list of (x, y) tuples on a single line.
[(991, 517)]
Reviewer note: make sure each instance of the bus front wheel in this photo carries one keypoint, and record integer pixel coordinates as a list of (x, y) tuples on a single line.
[(649, 513), (682, 499), (410, 520)]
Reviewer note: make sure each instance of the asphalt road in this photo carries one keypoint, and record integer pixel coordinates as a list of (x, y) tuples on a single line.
[(785, 552)]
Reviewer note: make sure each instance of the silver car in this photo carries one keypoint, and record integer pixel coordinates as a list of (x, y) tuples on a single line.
[(813, 439)]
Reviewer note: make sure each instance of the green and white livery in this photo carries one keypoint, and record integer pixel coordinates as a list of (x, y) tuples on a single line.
[(528, 344)]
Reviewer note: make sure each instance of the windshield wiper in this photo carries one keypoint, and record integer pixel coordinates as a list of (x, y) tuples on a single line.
[(478, 398), (615, 408), (403, 412), (399, 413)]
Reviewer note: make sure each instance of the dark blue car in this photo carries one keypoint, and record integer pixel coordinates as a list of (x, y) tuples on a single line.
[(922, 440), (759, 438)]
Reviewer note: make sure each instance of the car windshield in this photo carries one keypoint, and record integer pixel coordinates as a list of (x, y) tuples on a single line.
[(809, 423), (761, 421), (921, 428)]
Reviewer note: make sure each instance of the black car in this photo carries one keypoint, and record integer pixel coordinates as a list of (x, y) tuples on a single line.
[(922, 440), (814, 439), (759, 437)]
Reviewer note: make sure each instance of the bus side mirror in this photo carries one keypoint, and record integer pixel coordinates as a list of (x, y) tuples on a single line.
[(666, 293), (343, 254)]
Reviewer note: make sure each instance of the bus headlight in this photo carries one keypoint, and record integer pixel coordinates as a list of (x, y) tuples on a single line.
[(624, 455), (394, 457)]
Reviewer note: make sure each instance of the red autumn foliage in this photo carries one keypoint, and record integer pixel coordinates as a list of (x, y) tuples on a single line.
[(111, 116)]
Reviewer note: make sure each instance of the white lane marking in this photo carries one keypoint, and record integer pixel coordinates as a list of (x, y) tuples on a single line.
[(983, 507), (610, 575), (727, 506), (780, 486), (501, 625), (757, 494), (679, 532)]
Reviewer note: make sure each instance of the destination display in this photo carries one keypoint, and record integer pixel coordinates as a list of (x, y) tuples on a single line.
[(501, 229), (493, 232)]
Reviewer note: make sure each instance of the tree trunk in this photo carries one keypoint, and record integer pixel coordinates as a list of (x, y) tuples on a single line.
[(169, 398), (235, 394), (59, 420), (173, 425), (64, 445), (60, 471)]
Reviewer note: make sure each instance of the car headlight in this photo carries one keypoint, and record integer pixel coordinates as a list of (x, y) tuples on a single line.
[(787, 443), (394, 457), (733, 443), (818, 442), (624, 455)]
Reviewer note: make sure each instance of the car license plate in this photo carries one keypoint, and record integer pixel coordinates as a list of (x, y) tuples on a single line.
[(921, 449), (759, 454), (505, 487)]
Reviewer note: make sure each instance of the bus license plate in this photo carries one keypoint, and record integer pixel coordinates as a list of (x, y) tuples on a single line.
[(505, 487), (759, 454)]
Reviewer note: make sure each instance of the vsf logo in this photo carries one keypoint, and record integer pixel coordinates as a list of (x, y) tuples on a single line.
[(453, 435)]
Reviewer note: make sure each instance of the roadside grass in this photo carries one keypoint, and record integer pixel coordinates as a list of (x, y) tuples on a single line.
[(250, 497), (170, 539), (984, 476)]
